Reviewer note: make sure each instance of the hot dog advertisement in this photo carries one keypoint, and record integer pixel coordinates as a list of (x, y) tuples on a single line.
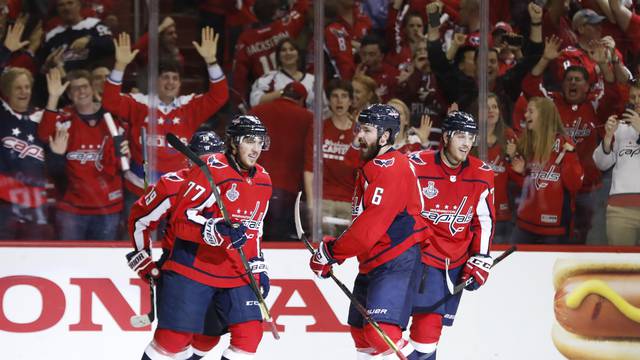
[(597, 309), (69, 301)]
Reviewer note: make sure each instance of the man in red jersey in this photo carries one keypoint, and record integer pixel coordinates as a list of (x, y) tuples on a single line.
[(204, 269), (87, 173), (181, 115), (289, 124), (385, 234), (457, 193), (255, 50), (155, 207)]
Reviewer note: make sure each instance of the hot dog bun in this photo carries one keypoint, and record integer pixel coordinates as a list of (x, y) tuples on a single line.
[(597, 309)]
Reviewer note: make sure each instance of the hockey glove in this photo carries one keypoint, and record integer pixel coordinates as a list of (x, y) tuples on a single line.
[(260, 269), (321, 261), (215, 230), (142, 263), (477, 267)]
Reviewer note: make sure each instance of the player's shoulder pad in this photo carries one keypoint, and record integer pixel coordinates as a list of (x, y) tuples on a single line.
[(262, 176), (216, 161), (421, 157)]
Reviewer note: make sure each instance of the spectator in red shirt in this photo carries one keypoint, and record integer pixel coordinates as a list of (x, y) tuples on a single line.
[(87, 173), (372, 50), (340, 158), (255, 50), (343, 36), (549, 174), (404, 31), (288, 123)]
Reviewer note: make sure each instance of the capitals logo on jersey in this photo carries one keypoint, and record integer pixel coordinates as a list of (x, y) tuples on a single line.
[(542, 177), (452, 216), (384, 162)]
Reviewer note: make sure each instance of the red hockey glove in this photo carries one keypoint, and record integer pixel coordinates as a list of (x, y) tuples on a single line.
[(322, 260), (142, 263), (477, 267)]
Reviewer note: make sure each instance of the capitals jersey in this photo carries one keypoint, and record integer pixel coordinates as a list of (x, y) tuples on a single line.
[(150, 209), (338, 37), (583, 123), (246, 198), (458, 205), (255, 49), (92, 171), (22, 174), (548, 193), (385, 213), (182, 117)]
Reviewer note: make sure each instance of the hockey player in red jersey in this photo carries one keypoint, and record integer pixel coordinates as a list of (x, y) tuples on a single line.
[(204, 266), (181, 115), (155, 207), (457, 193), (385, 235)]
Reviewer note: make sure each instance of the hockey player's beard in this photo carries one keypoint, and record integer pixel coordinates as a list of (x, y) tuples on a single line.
[(368, 152)]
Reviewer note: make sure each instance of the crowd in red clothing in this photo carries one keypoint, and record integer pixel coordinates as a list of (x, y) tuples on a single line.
[(557, 71)]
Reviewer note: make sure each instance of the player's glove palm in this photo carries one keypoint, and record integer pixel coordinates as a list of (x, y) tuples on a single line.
[(476, 271), (322, 260), (142, 263), (260, 270)]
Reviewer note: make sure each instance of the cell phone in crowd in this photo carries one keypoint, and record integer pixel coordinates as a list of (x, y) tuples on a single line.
[(514, 39), (629, 106), (434, 19), (460, 29)]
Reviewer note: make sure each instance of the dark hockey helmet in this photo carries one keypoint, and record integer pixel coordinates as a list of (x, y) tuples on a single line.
[(206, 142), (460, 121), (383, 117), (247, 125)]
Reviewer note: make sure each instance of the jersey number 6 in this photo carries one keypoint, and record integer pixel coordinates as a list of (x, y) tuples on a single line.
[(377, 196)]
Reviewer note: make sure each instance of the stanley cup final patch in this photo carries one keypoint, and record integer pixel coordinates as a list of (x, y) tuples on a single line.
[(233, 194), (430, 191)]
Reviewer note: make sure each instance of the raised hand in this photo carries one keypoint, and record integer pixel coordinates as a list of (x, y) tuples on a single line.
[(12, 41), (611, 126), (459, 39), (36, 37), (54, 83), (535, 12), (209, 45), (59, 144), (124, 55), (425, 129), (551, 47)]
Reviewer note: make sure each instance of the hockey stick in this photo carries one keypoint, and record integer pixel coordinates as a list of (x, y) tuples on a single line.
[(264, 310), (458, 288), (138, 321), (361, 309)]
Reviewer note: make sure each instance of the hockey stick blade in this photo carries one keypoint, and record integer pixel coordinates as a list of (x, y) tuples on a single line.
[(361, 309), (139, 321), (264, 309)]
